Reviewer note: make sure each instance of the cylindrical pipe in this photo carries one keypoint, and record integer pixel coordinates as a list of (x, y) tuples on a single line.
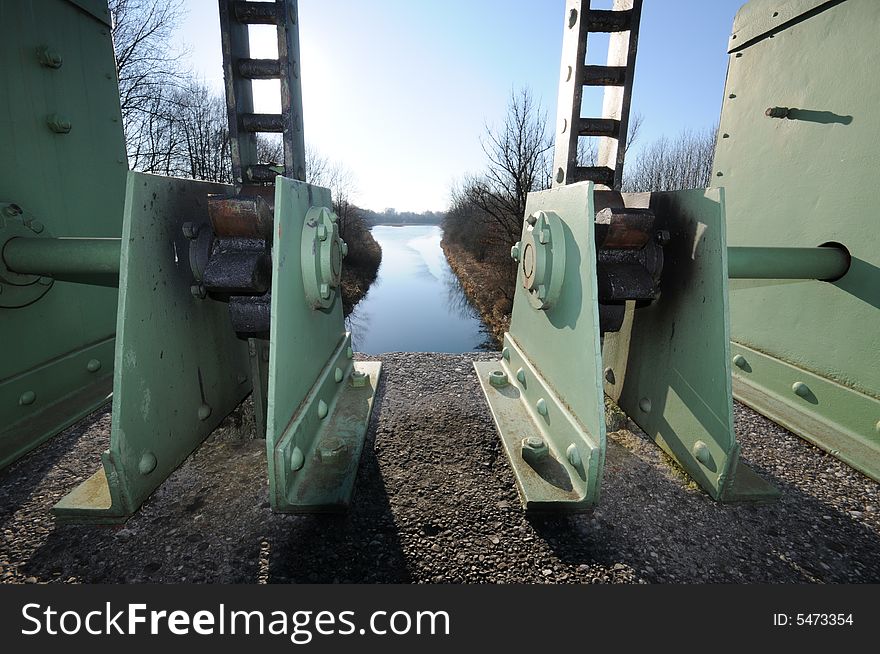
[(824, 263), (83, 260)]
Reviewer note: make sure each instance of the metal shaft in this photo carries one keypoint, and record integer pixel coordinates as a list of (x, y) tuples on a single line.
[(824, 263), (84, 260)]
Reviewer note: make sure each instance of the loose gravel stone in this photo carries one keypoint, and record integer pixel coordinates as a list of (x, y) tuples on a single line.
[(436, 503)]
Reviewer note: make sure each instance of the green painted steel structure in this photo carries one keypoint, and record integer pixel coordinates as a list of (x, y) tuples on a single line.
[(796, 153), (546, 392), (180, 369), (319, 400), (62, 174)]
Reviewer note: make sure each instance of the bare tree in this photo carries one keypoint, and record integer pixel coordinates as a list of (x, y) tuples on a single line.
[(673, 164), (148, 73), (336, 176), (518, 155)]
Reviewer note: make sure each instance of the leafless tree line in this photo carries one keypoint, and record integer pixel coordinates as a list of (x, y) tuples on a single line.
[(174, 124)]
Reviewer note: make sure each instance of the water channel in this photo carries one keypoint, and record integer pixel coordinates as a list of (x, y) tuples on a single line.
[(416, 303)]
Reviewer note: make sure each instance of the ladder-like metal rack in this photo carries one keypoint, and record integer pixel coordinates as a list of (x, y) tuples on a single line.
[(622, 23)]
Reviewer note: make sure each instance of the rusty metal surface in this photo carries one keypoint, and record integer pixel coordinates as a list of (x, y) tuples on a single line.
[(243, 216), (625, 229)]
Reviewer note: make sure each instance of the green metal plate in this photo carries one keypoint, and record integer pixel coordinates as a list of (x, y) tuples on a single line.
[(317, 418), (68, 185), (803, 181), (180, 369), (829, 415), (668, 367), (552, 355)]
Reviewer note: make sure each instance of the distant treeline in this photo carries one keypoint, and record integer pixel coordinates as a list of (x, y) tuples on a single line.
[(394, 217)]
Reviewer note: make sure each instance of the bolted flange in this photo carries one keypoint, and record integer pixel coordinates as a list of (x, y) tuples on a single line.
[(19, 289), (321, 253), (542, 258)]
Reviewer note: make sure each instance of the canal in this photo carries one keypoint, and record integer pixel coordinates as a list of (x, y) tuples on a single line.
[(416, 303)]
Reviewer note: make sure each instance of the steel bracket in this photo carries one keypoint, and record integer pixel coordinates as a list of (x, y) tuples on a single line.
[(546, 392), (319, 400), (179, 368), (668, 367), (839, 419)]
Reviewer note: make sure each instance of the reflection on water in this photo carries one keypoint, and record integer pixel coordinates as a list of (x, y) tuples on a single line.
[(416, 303)]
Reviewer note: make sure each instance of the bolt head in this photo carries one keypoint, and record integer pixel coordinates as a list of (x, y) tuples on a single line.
[(514, 251), (498, 378), (358, 379), (198, 291), (534, 449), (190, 230)]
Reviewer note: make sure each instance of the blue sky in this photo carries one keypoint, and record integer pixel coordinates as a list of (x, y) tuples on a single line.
[(400, 90)]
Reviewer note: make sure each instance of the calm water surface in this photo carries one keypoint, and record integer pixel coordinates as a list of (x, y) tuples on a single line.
[(416, 303)]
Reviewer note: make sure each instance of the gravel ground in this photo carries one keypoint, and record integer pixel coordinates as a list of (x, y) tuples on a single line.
[(436, 502)]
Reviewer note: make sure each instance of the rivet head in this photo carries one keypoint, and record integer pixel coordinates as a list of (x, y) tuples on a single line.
[(26, 398), (877, 427), (645, 405), (740, 361), (93, 366), (498, 378), (541, 406), (521, 376), (349, 353), (609, 375), (297, 459), (574, 455), (702, 454), (505, 353), (337, 375), (58, 124), (36, 226), (204, 412), (322, 409), (147, 463), (801, 389)]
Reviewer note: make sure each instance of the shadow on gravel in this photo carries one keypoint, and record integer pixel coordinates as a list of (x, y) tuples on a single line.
[(359, 546), (19, 481), (668, 532)]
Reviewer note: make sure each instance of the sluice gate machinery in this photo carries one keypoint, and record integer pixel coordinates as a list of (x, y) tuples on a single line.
[(178, 298)]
